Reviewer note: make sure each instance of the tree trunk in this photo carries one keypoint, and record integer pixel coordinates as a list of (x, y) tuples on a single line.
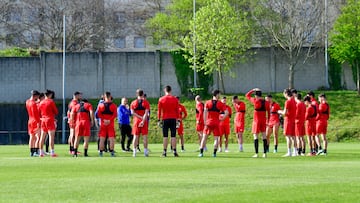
[(291, 76)]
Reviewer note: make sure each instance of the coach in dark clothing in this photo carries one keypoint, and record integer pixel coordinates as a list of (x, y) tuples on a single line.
[(124, 114)]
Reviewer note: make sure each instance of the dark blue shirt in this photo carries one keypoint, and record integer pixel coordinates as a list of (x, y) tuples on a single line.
[(123, 115)]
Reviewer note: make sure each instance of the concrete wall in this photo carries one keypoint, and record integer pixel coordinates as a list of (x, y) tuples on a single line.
[(92, 73), (123, 72)]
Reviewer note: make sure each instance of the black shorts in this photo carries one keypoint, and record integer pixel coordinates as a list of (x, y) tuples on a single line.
[(125, 129), (169, 124)]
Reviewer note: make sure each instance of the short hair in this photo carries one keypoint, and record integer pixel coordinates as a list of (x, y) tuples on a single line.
[(269, 96), (287, 91), (145, 95), (197, 98), (85, 100), (35, 93), (307, 98), (258, 93), (139, 92), (48, 93), (41, 95), (107, 95), (293, 91), (235, 97), (298, 96), (77, 93), (167, 88), (322, 95), (215, 92), (311, 93), (177, 97)]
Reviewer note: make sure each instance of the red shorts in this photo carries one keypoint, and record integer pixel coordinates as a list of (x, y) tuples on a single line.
[(272, 124), (136, 130), (239, 129), (258, 127), (82, 128), (33, 127), (48, 124), (321, 127), (180, 130), (214, 128), (72, 124), (199, 127), (299, 129), (289, 127), (107, 130), (224, 130), (310, 128)]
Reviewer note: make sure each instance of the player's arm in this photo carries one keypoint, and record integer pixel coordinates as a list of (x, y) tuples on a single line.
[(248, 95), (92, 117), (205, 114), (159, 113)]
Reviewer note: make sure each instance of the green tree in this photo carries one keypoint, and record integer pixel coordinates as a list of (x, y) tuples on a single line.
[(345, 38), (172, 25), (221, 34)]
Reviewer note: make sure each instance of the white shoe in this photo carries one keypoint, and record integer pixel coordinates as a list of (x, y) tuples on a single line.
[(287, 155), (255, 156), (275, 151), (226, 150), (219, 150), (264, 155), (183, 150), (294, 154), (302, 154), (134, 155)]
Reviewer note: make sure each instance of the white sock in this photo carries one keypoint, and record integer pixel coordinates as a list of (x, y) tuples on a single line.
[(289, 150), (241, 146), (52, 151), (145, 151)]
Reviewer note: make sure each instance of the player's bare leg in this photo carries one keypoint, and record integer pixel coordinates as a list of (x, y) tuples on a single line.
[(219, 145), (265, 145), (101, 145), (41, 142), (86, 145), (240, 141), (226, 142), (76, 145), (288, 144), (276, 137), (71, 140), (216, 143), (112, 145), (203, 144), (52, 143), (269, 130), (145, 142), (256, 146), (182, 142)]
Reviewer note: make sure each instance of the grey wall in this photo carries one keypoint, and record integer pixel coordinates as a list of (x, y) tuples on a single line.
[(123, 72)]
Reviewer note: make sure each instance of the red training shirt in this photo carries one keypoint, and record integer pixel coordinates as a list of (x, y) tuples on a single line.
[(32, 109), (214, 107), (48, 109), (168, 107)]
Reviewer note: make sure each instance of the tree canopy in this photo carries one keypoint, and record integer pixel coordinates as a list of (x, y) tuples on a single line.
[(345, 38)]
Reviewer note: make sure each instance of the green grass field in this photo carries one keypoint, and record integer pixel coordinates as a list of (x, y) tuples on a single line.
[(230, 177)]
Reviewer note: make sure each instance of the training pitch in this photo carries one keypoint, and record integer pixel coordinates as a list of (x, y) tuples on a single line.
[(230, 177)]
